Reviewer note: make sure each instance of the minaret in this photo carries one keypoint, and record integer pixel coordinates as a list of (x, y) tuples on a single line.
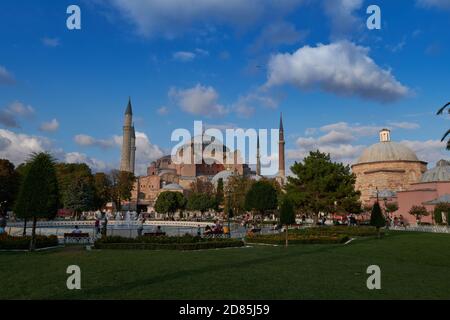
[(281, 162), (258, 158), (133, 149), (126, 144)]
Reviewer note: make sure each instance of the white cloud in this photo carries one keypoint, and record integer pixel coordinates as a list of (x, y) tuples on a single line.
[(20, 109), (404, 125), (95, 164), (88, 141), (276, 34), (9, 115), (146, 152), (51, 126), (246, 105), (18, 147), (440, 4), (342, 15), (6, 78), (171, 18), (183, 56), (342, 68), (50, 42), (199, 100), (430, 151), (339, 139), (163, 111)]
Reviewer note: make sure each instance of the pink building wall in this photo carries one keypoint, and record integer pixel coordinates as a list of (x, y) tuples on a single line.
[(417, 194)]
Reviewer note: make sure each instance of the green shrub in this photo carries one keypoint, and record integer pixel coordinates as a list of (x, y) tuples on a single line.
[(186, 242), (351, 231), (223, 243), (296, 238), (23, 243)]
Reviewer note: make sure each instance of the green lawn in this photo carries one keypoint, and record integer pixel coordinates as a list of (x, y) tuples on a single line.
[(413, 265)]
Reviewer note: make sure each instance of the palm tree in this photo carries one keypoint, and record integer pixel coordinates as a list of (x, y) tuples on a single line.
[(440, 112)]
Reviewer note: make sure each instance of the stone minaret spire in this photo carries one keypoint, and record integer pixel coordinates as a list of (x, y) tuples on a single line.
[(258, 158), (126, 144), (133, 149), (281, 161)]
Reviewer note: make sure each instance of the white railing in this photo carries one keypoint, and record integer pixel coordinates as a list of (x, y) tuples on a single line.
[(434, 229), (91, 224)]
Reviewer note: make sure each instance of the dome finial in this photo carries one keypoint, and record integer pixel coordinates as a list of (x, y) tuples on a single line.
[(385, 135)]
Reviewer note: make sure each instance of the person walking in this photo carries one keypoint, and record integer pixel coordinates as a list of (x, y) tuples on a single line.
[(141, 227), (97, 227), (2, 224)]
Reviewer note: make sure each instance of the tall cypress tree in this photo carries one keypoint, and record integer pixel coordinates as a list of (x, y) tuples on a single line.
[(38, 194), (376, 218)]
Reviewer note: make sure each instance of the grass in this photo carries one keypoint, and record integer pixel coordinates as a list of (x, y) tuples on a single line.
[(413, 266)]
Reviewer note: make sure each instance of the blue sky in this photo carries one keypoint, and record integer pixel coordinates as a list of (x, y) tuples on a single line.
[(229, 63)]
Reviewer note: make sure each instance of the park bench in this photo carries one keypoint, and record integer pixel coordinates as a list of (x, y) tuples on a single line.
[(214, 234), (155, 234), (77, 238)]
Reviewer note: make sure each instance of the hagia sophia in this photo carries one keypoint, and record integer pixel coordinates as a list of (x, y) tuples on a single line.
[(387, 172), (165, 174)]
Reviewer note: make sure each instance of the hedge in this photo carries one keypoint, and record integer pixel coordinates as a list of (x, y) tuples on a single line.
[(357, 231), (23, 243), (187, 242), (280, 239), (171, 246)]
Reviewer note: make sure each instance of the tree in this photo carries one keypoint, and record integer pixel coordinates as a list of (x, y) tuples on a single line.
[(235, 191), (220, 193), (287, 215), (38, 194), (376, 218), (202, 186), (102, 187), (9, 185), (200, 202), (442, 214), (169, 202), (22, 171), (79, 196), (261, 197), (391, 207), (121, 187), (440, 112), (418, 212), (320, 185), (67, 173)]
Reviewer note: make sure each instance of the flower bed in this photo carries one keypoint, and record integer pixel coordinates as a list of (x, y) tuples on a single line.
[(23, 243), (296, 238), (166, 243)]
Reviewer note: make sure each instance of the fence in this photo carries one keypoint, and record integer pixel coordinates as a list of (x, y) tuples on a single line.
[(434, 229)]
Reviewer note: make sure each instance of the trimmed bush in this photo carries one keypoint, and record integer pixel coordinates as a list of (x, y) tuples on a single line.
[(319, 235), (172, 246), (23, 243), (279, 239), (166, 243), (353, 231)]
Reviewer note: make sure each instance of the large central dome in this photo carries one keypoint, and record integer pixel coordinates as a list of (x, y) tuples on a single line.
[(387, 150)]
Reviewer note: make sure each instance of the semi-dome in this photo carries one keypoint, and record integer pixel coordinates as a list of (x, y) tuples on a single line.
[(224, 175), (173, 187), (387, 150), (439, 173)]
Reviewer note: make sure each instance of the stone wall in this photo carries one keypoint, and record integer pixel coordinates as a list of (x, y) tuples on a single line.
[(390, 175)]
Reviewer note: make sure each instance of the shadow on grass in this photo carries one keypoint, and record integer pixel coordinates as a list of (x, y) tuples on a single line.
[(159, 279)]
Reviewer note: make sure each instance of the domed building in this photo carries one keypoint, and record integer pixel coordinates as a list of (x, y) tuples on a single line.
[(386, 167)]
